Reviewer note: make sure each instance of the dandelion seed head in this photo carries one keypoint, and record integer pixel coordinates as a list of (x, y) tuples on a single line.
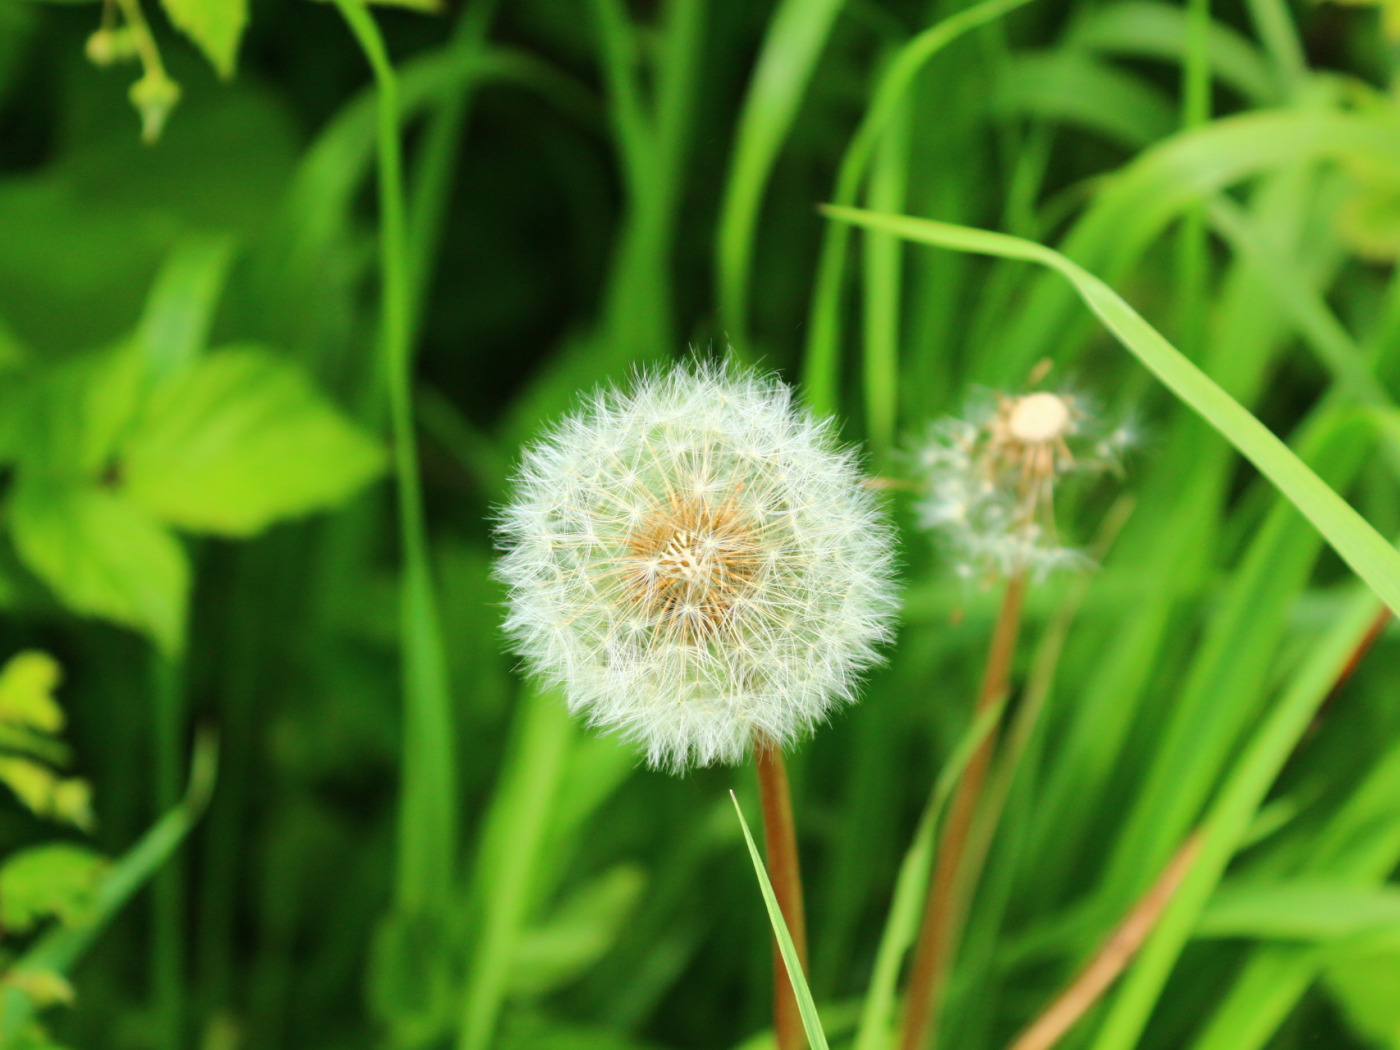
[(988, 479), (694, 560)]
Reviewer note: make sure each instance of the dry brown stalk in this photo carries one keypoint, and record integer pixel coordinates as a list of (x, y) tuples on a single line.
[(784, 872), (1111, 959)]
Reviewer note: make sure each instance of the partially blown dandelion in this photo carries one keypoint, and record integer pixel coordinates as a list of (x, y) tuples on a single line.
[(696, 562), (989, 479)]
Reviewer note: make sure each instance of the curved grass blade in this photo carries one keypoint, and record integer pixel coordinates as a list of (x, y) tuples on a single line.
[(805, 1004), (1358, 543), (796, 36), (820, 366)]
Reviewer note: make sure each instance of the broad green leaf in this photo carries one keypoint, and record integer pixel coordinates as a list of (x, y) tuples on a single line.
[(1359, 544), (27, 682), (240, 440), (1365, 989), (102, 555), (71, 416), (215, 25), (57, 880)]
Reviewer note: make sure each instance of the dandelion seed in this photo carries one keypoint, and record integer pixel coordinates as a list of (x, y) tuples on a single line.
[(695, 561), (989, 479)]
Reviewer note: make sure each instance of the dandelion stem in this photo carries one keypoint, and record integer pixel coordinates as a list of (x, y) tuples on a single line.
[(1071, 1004), (951, 884), (780, 845)]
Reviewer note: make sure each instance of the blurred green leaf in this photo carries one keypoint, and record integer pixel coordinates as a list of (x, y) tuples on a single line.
[(240, 440), (69, 418), (1300, 909), (408, 989), (1365, 989), (180, 308), (56, 880), (215, 25), (102, 555), (578, 933), (27, 683), (60, 947), (46, 794)]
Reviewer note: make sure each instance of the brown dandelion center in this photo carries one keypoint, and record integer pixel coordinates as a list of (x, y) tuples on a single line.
[(690, 565)]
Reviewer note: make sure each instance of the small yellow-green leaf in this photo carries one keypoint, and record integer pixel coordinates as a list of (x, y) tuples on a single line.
[(215, 25), (27, 683), (45, 988), (102, 555), (240, 440), (56, 880)]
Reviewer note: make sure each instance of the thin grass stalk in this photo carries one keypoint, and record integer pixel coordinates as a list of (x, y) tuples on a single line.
[(168, 956), (1192, 260), (821, 365), (427, 845), (938, 934), (1110, 960), (784, 871)]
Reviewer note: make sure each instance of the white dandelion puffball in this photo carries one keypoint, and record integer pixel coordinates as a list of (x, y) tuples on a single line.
[(988, 479), (696, 561)]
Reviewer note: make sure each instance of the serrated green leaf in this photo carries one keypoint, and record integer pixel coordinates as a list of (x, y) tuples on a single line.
[(215, 25), (57, 880), (27, 682), (241, 440), (102, 555)]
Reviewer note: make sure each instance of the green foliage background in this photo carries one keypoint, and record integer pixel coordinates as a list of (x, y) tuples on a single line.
[(262, 380)]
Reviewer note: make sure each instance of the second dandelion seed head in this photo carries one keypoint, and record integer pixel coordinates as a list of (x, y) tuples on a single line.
[(988, 479)]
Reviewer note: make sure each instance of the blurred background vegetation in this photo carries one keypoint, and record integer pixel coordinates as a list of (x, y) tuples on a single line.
[(205, 351)]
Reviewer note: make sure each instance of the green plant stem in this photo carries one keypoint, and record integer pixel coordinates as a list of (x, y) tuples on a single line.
[(441, 144), (948, 889), (168, 960), (785, 873), (427, 846)]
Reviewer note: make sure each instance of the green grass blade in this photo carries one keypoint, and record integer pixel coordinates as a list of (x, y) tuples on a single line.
[(508, 864), (427, 847), (906, 909), (796, 36), (821, 366), (1359, 545), (1228, 821), (805, 1004)]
